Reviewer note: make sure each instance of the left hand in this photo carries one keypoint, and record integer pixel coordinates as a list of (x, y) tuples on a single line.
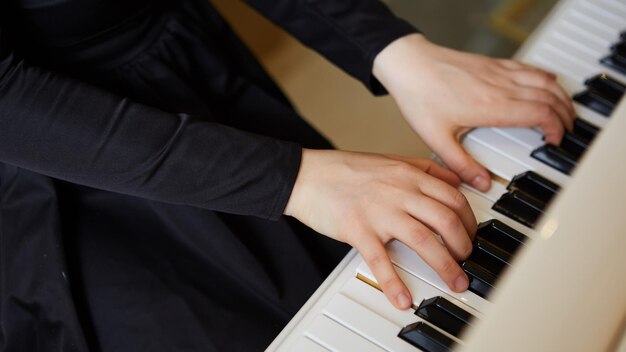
[(443, 93)]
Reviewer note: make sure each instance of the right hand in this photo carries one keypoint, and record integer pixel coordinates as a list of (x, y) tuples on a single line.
[(444, 93), (367, 200)]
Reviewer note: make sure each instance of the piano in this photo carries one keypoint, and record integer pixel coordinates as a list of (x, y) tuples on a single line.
[(548, 269)]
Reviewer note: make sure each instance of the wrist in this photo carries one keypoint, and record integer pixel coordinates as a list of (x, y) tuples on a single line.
[(392, 63), (298, 193)]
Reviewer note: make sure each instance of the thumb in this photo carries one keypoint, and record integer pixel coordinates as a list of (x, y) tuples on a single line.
[(451, 152)]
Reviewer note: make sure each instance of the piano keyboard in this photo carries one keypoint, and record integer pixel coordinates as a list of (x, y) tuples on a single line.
[(583, 42)]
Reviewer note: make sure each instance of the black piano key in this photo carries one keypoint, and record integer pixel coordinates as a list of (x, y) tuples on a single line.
[(607, 86), (555, 157), (619, 48), (519, 207), (596, 102), (444, 314), (501, 235), (573, 145), (584, 130), (425, 337), (616, 62), (534, 185), (481, 281), (489, 256)]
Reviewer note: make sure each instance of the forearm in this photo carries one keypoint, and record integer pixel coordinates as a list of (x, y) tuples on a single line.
[(73, 131)]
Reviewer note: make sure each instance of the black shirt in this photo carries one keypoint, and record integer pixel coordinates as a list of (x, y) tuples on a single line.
[(145, 161), (60, 35)]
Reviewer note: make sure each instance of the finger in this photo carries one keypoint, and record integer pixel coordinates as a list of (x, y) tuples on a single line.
[(527, 113), (546, 97), (421, 240), (443, 174), (524, 113), (432, 168), (513, 65), (376, 257), (542, 80), (529, 75), (451, 198), (448, 148), (444, 222)]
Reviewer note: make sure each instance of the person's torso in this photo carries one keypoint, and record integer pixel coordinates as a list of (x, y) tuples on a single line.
[(62, 23)]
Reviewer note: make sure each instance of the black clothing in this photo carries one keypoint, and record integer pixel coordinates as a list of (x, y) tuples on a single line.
[(145, 161)]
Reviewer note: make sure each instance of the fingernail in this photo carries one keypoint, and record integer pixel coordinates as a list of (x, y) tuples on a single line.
[(403, 300), (480, 182), (461, 283)]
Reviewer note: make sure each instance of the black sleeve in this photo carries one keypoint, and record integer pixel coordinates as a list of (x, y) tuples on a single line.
[(349, 33), (72, 131)]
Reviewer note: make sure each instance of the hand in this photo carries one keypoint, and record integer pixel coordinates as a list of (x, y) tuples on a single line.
[(443, 93), (367, 200)]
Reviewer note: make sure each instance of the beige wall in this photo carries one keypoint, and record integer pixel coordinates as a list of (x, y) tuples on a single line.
[(335, 103)]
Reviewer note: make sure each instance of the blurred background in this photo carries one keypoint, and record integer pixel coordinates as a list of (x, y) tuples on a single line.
[(339, 106)]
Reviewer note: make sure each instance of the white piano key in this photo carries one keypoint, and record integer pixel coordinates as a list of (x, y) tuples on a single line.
[(367, 324), (337, 338), (587, 64), (475, 305), (570, 85), (610, 19), (572, 82), (547, 61), (582, 40), (377, 302), (553, 53), (593, 23), (615, 6), (415, 268), (495, 162), (579, 64), (591, 33), (591, 116), (515, 152), (304, 344), (481, 215), (526, 137)]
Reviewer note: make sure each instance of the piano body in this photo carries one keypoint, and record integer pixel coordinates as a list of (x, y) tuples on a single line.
[(564, 289)]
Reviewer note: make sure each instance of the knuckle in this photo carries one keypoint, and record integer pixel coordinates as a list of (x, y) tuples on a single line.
[(402, 168), (458, 200), (551, 99), (543, 79), (542, 111), (495, 94), (510, 63), (406, 168), (419, 236), (450, 221)]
